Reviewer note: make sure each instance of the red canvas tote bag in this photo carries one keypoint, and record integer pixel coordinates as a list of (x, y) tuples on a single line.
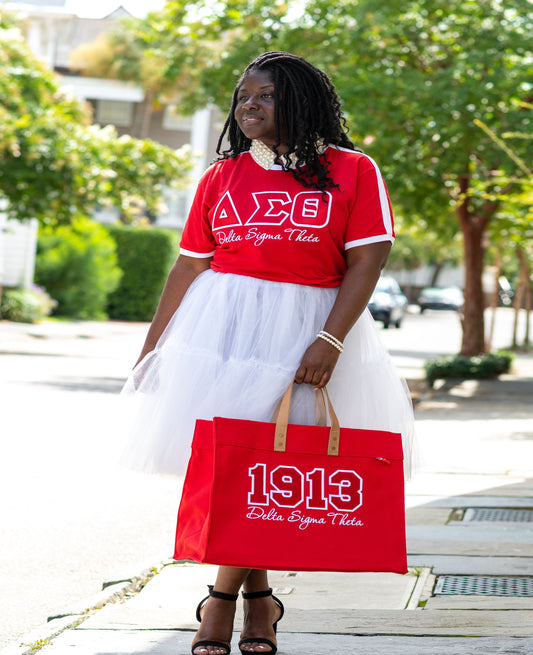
[(293, 497)]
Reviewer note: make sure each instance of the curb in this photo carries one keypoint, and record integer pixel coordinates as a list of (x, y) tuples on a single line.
[(113, 591), (422, 589)]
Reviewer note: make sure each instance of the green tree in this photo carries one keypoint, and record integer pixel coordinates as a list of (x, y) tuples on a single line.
[(215, 41), (186, 51), (77, 264), (512, 232), (123, 54), (414, 74), (54, 165), (445, 65)]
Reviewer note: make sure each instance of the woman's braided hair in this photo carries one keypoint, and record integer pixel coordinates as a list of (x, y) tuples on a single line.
[(310, 111)]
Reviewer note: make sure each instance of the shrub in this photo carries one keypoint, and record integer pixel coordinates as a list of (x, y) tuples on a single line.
[(145, 255), (488, 365), (78, 266), (26, 305)]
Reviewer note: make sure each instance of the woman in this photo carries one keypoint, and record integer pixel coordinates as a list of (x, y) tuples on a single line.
[(284, 244)]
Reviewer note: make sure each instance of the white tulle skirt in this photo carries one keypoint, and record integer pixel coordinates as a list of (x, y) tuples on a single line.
[(231, 349)]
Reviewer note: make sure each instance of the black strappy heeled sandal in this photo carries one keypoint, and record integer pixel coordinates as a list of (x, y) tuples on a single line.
[(262, 640), (211, 642)]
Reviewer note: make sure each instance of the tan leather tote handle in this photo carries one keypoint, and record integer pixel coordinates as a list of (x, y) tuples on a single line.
[(280, 437), (321, 413), (321, 416)]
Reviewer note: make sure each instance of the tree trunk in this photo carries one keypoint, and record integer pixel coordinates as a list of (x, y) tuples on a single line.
[(527, 340), (143, 115), (527, 305), (517, 300), (494, 300), (523, 297), (436, 272), (473, 228)]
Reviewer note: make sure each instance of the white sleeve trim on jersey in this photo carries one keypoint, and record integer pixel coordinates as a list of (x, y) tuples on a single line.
[(385, 209), (198, 255), (375, 239)]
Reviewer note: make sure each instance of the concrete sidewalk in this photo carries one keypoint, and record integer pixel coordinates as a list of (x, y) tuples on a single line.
[(375, 613), (348, 613)]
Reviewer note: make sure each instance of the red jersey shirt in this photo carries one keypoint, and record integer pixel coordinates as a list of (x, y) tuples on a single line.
[(265, 224)]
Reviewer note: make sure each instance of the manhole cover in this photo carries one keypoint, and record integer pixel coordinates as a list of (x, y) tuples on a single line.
[(495, 514), (480, 585)]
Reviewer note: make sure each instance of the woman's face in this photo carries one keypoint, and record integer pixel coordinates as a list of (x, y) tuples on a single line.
[(255, 109)]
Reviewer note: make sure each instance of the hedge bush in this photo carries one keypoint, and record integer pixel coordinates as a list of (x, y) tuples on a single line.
[(26, 305), (145, 255), (488, 365), (77, 264)]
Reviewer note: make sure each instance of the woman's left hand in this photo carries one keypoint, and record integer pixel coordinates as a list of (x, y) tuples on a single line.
[(317, 364)]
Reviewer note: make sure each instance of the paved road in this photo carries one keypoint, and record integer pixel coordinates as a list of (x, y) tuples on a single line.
[(437, 333), (67, 515), (489, 448)]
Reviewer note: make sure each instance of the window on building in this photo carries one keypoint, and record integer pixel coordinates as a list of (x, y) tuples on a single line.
[(116, 112)]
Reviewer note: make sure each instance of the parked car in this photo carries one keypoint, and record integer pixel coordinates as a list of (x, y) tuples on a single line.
[(440, 298), (388, 304)]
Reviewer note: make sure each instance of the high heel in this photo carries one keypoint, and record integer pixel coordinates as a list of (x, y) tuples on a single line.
[(203, 643), (262, 640)]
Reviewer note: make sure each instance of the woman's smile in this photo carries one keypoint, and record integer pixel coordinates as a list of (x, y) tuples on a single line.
[(251, 120)]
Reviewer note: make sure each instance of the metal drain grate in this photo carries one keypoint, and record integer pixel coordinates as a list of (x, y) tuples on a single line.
[(480, 585), (495, 514)]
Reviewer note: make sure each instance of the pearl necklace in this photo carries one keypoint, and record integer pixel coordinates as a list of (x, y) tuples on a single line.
[(265, 157)]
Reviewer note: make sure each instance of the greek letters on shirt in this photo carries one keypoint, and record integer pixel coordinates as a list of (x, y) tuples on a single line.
[(277, 216)]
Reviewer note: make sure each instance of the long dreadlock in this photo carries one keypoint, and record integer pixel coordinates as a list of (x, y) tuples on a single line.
[(310, 111)]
